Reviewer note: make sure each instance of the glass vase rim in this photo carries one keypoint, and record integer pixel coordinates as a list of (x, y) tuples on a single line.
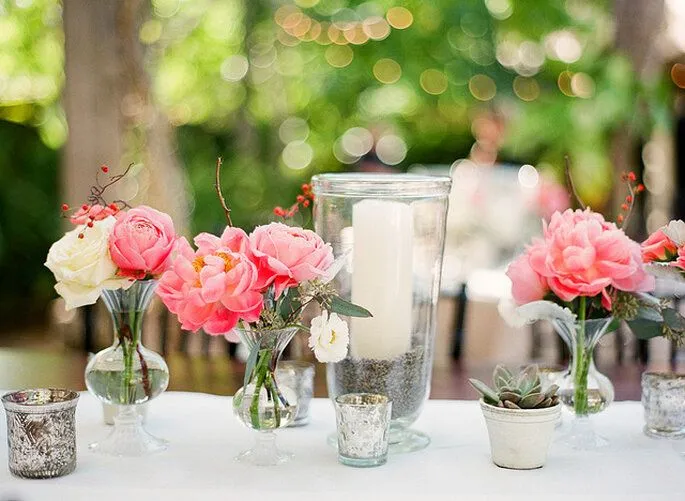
[(266, 330), (358, 399), (381, 185)]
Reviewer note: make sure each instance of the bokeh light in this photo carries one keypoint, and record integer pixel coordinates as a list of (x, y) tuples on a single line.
[(293, 129), (582, 85), (339, 56), (526, 89), (564, 83), (563, 46), (297, 155), (399, 18), (433, 81), (482, 87), (376, 28), (234, 68), (387, 71), (391, 149), (499, 9), (678, 75), (357, 142), (528, 176)]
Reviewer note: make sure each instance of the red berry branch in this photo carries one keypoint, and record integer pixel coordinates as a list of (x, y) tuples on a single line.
[(634, 188), (98, 208), (304, 199)]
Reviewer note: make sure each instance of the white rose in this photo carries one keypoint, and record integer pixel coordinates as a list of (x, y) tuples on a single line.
[(82, 266), (675, 230), (329, 337)]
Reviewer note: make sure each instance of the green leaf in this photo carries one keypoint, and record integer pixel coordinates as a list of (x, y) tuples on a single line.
[(673, 319), (501, 377), (645, 329), (649, 313), (346, 308), (250, 363), (489, 395)]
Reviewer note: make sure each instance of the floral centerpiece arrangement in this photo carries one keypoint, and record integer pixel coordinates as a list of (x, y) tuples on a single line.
[(117, 252), (254, 288), (585, 275)]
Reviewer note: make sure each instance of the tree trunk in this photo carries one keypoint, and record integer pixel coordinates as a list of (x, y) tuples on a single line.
[(110, 112), (637, 24)]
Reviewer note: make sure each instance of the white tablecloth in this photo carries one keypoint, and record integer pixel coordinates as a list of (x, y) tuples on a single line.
[(205, 437)]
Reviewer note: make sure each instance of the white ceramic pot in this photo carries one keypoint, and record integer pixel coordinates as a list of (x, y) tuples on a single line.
[(519, 439)]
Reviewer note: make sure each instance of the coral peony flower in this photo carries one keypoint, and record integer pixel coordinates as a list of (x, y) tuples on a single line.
[(141, 242), (82, 265), (658, 247), (287, 256), (329, 337), (95, 212), (680, 261), (214, 287), (583, 255), (527, 284)]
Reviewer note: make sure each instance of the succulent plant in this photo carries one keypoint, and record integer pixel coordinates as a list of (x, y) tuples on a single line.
[(521, 391)]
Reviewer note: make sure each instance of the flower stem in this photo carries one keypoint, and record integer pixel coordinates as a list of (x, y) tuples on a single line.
[(581, 364), (260, 372)]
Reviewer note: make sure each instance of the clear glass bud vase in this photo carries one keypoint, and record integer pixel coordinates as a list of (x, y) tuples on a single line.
[(262, 404), (127, 374), (584, 390)]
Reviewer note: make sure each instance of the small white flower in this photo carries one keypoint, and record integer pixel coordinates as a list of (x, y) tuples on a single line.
[(329, 337), (82, 266), (675, 230)]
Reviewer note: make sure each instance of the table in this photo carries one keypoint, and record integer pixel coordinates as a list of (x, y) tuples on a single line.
[(205, 437)]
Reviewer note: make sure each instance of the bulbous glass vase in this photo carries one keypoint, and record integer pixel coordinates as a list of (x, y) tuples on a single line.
[(584, 390), (127, 374), (262, 404)]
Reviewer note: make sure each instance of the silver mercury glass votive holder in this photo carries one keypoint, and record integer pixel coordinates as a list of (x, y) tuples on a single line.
[(41, 432), (299, 377), (363, 422), (663, 399)]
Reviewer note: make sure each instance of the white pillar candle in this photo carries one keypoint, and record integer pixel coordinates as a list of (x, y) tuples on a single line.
[(382, 278)]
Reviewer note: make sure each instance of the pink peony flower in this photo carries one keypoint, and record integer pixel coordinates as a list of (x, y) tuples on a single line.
[(96, 212), (583, 255), (141, 242), (658, 247), (527, 284), (287, 256), (214, 287)]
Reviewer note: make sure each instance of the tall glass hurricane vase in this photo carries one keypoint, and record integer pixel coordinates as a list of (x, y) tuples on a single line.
[(127, 374), (584, 390), (391, 228), (261, 404)]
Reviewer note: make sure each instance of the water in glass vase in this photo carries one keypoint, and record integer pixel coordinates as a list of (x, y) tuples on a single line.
[(596, 402), (108, 385), (261, 413)]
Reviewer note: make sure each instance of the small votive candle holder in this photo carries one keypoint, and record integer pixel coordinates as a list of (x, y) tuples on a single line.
[(41, 432), (299, 377), (363, 423), (663, 399)]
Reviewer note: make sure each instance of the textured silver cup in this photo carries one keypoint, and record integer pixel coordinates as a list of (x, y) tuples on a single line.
[(299, 377), (663, 399), (41, 432), (363, 422)]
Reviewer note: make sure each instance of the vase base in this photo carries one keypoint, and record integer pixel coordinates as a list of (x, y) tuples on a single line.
[(654, 433), (582, 436), (265, 452), (401, 441), (129, 439)]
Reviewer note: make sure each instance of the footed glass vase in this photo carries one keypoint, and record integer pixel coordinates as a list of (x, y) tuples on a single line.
[(261, 404), (127, 374), (584, 390)]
